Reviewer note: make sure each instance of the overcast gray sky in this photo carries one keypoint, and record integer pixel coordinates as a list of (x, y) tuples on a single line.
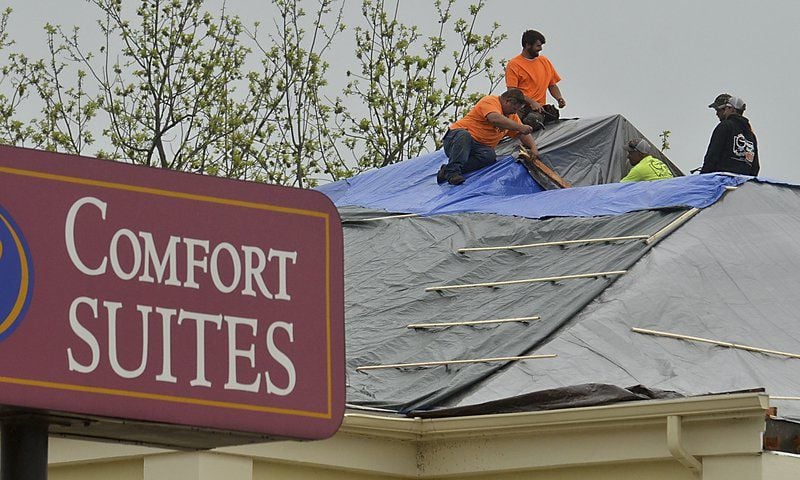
[(657, 62)]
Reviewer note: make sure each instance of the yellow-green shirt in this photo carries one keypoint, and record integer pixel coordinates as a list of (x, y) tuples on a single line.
[(649, 168)]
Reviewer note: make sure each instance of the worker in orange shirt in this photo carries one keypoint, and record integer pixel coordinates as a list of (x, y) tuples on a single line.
[(533, 73), (469, 143)]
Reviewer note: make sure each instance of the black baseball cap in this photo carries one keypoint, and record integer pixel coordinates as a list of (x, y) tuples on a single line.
[(720, 101)]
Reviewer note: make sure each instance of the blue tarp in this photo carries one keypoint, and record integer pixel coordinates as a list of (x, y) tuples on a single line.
[(506, 188), (410, 185)]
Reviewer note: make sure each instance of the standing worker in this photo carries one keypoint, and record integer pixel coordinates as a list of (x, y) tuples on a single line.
[(645, 166), (733, 147), (469, 143), (533, 73)]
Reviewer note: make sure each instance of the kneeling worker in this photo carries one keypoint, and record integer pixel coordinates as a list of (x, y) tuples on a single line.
[(645, 166), (469, 143)]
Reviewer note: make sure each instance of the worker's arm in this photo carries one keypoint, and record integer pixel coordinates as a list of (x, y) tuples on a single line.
[(504, 123), (535, 106), (556, 93), (527, 140), (716, 149), (756, 166)]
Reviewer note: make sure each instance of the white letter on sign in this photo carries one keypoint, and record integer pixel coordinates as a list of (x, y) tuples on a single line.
[(234, 353), (69, 235), (83, 334), (113, 357), (281, 358), (282, 257), (200, 320)]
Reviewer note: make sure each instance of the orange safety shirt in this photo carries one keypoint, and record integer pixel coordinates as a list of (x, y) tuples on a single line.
[(531, 75), (479, 128)]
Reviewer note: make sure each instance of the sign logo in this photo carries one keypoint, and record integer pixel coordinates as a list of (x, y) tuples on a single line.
[(16, 275)]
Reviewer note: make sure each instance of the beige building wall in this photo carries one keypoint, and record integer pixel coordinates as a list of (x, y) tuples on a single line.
[(122, 470), (707, 438)]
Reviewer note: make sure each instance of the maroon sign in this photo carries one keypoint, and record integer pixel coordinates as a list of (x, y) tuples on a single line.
[(158, 296)]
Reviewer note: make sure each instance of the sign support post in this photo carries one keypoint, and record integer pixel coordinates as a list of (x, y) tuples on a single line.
[(23, 449)]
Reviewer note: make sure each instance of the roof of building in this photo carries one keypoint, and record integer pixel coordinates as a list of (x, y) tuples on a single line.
[(651, 273)]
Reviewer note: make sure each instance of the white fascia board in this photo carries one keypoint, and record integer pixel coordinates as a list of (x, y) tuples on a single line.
[(625, 432), (641, 412)]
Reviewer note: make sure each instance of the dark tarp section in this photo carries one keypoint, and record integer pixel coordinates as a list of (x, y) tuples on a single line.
[(731, 273), (389, 263), (586, 395), (590, 151)]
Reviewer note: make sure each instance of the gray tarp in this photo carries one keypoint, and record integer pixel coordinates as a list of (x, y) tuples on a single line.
[(389, 263), (732, 273)]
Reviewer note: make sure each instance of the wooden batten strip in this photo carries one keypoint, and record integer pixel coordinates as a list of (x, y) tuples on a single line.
[(527, 280), (672, 226), (388, 217), (558, 243), (471, 322), (715, 342), (454, 362)]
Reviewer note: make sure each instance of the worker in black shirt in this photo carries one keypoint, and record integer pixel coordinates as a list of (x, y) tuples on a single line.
[(733, 146)]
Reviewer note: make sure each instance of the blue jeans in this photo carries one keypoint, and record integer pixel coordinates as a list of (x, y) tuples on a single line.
[(464, 153)]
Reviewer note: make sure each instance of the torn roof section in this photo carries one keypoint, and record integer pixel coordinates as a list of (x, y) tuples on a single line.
[(727, 273), (585, 152)]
